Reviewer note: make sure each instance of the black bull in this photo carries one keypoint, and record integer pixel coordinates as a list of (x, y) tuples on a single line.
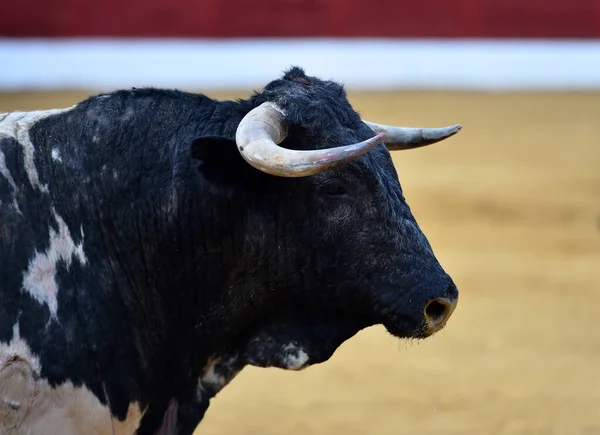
[(154, 242)]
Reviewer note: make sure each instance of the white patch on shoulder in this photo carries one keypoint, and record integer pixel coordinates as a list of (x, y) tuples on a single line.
[(40, 278), (295, 357), (30, 406), (16, 125), (56, 155)]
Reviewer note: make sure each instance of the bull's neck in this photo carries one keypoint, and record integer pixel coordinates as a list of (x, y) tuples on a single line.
[(188, 247)]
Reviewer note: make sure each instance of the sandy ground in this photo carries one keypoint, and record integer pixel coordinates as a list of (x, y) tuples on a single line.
[(512, 207)]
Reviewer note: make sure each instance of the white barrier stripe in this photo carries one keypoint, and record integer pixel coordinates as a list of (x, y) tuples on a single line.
[(362, 64)]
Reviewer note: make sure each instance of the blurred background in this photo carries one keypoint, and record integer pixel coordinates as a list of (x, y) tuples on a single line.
[(511, 205)]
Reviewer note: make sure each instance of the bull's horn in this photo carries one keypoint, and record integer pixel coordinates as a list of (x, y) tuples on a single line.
[(405, 138), (261, 130)]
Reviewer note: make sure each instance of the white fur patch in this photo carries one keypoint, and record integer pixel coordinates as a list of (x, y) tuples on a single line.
[(210, 376), (6, 173), (16, 205), (40, 278), (17, 125), (29, 406), (218, 373), (56, 155), (295, 357)]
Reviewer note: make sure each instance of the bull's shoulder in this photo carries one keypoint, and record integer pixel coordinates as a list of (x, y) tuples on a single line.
[(30, 403)]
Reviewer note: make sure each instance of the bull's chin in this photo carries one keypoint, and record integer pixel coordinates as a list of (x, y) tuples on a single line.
[(293, 341), (405, 325), (401, 331), (299, 347)]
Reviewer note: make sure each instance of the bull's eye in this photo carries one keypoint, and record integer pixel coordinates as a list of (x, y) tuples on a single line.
[(334, 189)]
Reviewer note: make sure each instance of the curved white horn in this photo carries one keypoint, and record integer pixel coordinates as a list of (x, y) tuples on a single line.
[(261, 130), (405, 138)]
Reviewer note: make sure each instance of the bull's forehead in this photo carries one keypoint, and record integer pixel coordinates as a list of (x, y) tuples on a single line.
[(312, 126), (320, 107)]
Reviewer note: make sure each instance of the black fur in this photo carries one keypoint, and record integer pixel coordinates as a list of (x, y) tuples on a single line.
[(194, 254)]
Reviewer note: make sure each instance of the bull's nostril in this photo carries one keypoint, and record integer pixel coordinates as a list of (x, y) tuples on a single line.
[(437, 312), (435, 309)]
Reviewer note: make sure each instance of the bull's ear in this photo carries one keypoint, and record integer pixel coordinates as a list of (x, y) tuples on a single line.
[(219, 161)]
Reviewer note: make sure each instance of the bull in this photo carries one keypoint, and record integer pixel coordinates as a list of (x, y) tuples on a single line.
[(154, 242)]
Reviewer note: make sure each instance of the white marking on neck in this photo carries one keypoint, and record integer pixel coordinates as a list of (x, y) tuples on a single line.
[(211, 378), (218, 372), (17, 125), (295, 358), (56, 155), (40, 278)]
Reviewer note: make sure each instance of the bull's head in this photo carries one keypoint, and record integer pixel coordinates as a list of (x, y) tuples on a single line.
[(335, 245)]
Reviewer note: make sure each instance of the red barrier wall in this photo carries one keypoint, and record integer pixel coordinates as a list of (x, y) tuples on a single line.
[(301, 18)]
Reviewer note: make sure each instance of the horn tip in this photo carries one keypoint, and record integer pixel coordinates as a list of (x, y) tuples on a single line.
[(452, 130)]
